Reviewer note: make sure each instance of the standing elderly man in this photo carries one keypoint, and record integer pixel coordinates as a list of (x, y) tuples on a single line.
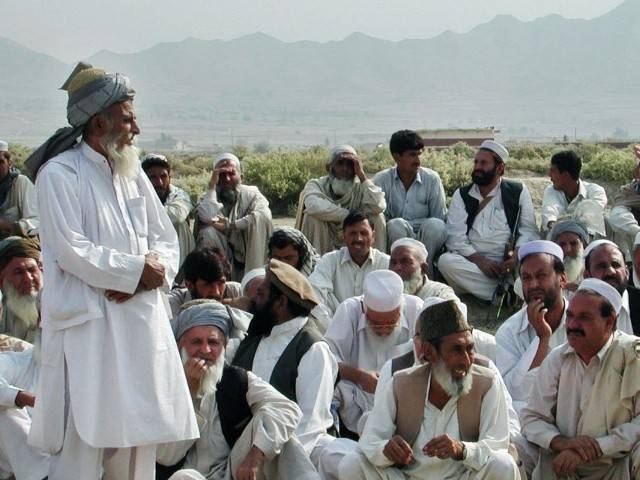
[(367, 331), (604, 260), (584, 408), (176, 201), (568, 197), (20, 282), (107, 247), (289, 245), (416, 202), (18, 209), (340, 274), (445, 419), (234, 217), (625, 214), (483, 217), (326, 201), (247, 426)]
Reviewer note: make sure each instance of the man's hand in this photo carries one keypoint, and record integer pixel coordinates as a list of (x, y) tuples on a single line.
[(490, 268), (118, 297), (153, 272), (398, 451), (566, 462), (194, 370), (25, 399), (368, 380), (586, 447), (357, 168), (220, 223), (444, 447), (508, 266), (251, 465), (536, 312), (215, 175)]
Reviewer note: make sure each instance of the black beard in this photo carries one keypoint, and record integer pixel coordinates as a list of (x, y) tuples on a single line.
[(621, 288), (549, 300), (228, 196), (162, 195), (263, 319), (482, 179)]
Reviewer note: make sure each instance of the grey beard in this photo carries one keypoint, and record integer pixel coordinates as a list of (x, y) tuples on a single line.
[(341, 187), (125, 160), (453, 387), (23, 307), (573, 268), (212, 375), (414, 283)]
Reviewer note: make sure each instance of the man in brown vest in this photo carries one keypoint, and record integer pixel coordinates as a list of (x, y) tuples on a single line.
[(446, 419)]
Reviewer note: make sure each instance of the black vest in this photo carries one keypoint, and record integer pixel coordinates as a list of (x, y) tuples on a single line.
[(285, 372), (231, 398), (509, 191), (634, 308)]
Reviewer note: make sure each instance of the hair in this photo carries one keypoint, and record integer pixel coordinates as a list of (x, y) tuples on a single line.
[(558, 265), (281, 239), (496, 158), (155, 161), (587, 259), (404, 140), (204, 264), (567, 161), (89, 127), (356, 216), (606, 309)]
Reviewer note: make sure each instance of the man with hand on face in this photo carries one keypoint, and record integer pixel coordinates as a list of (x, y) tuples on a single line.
[(366, 331), (482, 218), (246, 428), (18, 206), (584, 407), (526, 338), (326, 201), (108, 250), (444, 419), (176, 201), (234, 217)]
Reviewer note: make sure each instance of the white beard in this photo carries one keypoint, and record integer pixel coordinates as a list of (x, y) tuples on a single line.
[(414, 283), (24, 307), (341, 187), (454, 387), (573, 268), (212, 375), (126, 160)]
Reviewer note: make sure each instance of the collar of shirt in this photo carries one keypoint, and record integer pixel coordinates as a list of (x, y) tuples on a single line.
[(582, 189), (601, 353), (362, 320), (625, 303), (475, 191), (91, 154), (345, 256), (524, 321), (418, 178), (289, 327)]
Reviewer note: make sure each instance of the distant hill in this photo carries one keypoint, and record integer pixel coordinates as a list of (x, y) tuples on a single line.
[(536, 77)]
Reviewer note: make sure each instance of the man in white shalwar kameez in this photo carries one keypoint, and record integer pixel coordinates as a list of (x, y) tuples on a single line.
[(111, 385), (583, 411), (18, 209)]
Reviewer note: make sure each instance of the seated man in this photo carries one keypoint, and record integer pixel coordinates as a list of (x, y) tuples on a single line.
[(604, 260), (583, 410), (568, 197), (246, 427), (19, 372), (340, 274), (625, 214), (291, 246), (20, 282), (526, 338), (283, 349), (176, 201), (367, 331), (251, 281), (481, 222), (18, 208), (416, 202), (446, 419), (572, 238), (326, 201), (234, 217)]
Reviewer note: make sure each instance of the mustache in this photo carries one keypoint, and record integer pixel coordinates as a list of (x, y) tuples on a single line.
[(575, 331)]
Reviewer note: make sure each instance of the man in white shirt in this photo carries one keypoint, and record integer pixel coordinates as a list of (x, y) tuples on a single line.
[(572, 237), (482, 219), (108, 248), (367, 331), (584, 408), (625, 214), (282, 348), (446, 419), (18, 208), (571, 198)]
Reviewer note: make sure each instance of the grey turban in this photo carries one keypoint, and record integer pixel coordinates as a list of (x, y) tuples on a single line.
[(570, 226), (310, 256), (100, 92), (203, 313)]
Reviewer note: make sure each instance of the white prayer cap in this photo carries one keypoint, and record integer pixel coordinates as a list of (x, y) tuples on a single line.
[(540, 246), (229, 157), (603, 289), (340, 149), (496, 148), (417, 245), (250, 275), (4, 146), (598, 243), (382, 290)]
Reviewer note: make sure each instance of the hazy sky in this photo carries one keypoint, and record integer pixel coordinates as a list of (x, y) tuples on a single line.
[(75, 29)]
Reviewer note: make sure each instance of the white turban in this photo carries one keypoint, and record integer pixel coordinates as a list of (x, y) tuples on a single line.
[(540, 246), (382, 290), (598, 243), (4, 146), (603, 289), (250, 275), (340, 149), (417, 245), (230, 157), (496, 148)]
